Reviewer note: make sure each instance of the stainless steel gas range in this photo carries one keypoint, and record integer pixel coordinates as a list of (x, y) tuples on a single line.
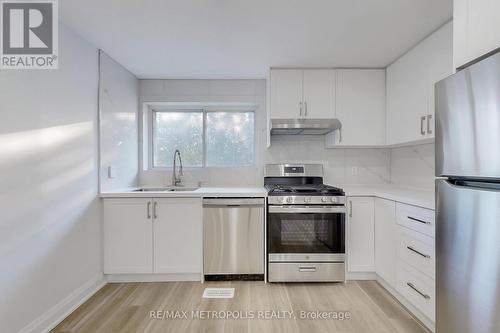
[(305, 225)]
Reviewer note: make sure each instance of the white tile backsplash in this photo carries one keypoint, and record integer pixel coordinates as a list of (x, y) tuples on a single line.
[(413, 166), (407, 166), (372, 165)]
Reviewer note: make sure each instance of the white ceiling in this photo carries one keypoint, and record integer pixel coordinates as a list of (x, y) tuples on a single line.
[(243, 38)]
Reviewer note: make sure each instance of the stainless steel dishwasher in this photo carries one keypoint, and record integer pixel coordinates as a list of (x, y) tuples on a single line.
[(233, 237)]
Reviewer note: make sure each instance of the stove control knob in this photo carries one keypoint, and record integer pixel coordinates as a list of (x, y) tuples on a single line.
[(289, 200), (307, 200), (280, 200), (324, 199), (333, 199)]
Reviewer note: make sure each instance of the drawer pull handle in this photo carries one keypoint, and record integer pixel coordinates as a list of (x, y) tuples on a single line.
[(409, 284), (307, 269), (417, 220), (418, 252)]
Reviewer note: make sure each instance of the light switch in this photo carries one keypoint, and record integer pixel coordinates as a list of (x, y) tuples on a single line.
[(111, 171)]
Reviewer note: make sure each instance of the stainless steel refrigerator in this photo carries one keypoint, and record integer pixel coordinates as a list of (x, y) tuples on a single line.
[(468, 199)]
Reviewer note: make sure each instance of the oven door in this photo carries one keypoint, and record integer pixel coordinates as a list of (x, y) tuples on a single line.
[(306, 233)]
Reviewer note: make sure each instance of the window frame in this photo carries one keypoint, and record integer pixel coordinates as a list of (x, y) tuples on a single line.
[(150, 123)]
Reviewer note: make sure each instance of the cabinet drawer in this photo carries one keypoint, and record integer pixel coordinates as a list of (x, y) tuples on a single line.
[(309, 272), (417, 288), (416, 218), (417, 250)]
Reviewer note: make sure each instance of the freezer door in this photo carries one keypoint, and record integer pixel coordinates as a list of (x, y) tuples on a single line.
[(468, 259), (468, 122)]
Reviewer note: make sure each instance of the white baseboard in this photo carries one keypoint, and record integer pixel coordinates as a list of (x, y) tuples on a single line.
[(361, 276), (153, 277), (411, 308), (53, 316)]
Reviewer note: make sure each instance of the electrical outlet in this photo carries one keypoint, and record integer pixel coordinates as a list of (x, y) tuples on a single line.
[(354, 171)]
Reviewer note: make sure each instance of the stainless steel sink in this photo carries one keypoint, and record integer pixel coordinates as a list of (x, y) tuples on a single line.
[(165, 189), (181, 189)]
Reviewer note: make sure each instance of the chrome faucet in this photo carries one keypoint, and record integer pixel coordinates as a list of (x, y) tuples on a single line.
[(176, 178)]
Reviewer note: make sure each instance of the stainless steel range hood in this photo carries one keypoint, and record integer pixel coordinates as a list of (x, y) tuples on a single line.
[(304, 126)]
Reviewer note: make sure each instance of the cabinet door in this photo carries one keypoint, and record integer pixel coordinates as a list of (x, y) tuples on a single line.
[(177, 235), (286, 93), (407, 98), (460, 56), (440, 45), (361, 107), (477, 29), (410, 88), (385, 240), (361, 237), (319, 93), (128, 236)]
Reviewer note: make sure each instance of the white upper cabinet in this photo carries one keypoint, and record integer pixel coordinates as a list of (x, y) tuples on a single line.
[(319, 93), (360, 108), (286, 93), (297, 93), (476, 29), (410, 88)]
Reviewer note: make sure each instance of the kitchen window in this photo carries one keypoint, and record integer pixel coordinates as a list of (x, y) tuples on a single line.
[(204, 138)]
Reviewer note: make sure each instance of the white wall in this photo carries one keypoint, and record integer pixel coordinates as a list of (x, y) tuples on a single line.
[(118, 108), (372, 165), (50, 231), (224, 91), (413, 166)]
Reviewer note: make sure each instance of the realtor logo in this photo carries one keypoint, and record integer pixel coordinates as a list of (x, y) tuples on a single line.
[(29, 36)]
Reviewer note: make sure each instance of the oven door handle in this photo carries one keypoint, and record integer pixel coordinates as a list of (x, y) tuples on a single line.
[(306, 209)]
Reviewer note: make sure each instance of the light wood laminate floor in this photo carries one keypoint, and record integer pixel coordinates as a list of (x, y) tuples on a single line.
[(125, 307)]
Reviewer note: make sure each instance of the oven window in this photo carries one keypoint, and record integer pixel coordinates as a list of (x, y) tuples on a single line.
[(306, 233)]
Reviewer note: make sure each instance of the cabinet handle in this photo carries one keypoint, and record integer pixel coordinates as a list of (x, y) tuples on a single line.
[(418, 252), (350, 208), (300, 109), (429, 130), (422, 131), (409, 284), (305, 109), (155, 205), (149, 210), (307, 268), (417, 220)]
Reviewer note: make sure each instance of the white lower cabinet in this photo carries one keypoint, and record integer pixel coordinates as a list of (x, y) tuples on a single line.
[(417, 288), (177, 235), (385, 239), (405, 255), (417, 250), (128, 236), (152, 235), (360, 234)]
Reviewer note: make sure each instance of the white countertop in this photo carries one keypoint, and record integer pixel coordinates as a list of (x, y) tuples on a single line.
[(406, 195), (200, 192), (411, 196)]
